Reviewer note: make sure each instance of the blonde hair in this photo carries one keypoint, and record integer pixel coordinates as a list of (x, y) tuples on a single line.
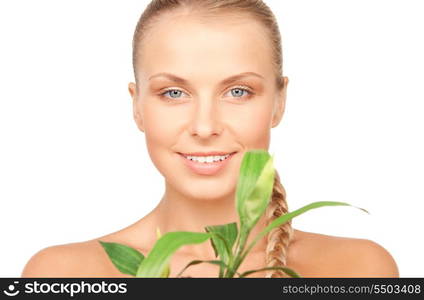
[(279, 238)]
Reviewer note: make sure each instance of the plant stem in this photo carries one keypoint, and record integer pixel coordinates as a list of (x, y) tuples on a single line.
[(230, 261), (241, 243)]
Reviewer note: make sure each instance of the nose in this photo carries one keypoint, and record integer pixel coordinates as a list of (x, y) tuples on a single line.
[(205, 119)]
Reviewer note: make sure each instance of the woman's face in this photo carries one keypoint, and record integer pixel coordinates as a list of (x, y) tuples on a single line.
[(205, 112)]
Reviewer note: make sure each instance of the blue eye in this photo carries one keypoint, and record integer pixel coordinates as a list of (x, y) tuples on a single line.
[(239, 92), (172, 93)]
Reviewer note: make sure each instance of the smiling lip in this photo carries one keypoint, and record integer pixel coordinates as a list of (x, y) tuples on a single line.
[(206, 168), (206, 153)]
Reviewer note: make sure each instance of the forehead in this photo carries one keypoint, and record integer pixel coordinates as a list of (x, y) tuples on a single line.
[(192, 46)]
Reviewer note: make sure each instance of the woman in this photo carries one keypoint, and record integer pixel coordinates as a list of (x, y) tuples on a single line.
[(209, 86)]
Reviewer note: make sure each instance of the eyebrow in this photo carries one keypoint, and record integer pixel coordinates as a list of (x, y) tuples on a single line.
[(228, 80)]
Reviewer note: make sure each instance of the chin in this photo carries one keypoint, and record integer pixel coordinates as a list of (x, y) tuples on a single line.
[(208, 189)]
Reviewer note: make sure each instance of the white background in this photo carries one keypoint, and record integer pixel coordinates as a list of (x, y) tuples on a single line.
[(74, 166)]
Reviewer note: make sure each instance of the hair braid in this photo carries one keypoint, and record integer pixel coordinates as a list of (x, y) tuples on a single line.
[(280, 237)]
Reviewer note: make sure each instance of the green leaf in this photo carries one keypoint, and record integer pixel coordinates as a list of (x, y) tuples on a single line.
[(195, 262), (223, 239), (254, 187), (288, 216), (155, 263), (167, 270), (253, 194), (125, 258), (286, 270)]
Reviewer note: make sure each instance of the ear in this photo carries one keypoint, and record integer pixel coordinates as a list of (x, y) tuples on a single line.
[(280, 103), (132, 88)]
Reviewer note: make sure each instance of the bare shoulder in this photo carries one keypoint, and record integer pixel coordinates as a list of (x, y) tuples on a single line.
[(87, 258), (334, 256), (82, 259), (53, 261)]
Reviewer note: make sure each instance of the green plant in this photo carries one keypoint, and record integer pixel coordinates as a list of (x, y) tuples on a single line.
[(253, 194)]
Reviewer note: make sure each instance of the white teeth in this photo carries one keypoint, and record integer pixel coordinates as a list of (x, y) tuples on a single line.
[(208, 159)]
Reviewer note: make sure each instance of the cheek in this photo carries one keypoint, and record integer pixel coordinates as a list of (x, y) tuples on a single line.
[(252, 127), (160, 124)]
